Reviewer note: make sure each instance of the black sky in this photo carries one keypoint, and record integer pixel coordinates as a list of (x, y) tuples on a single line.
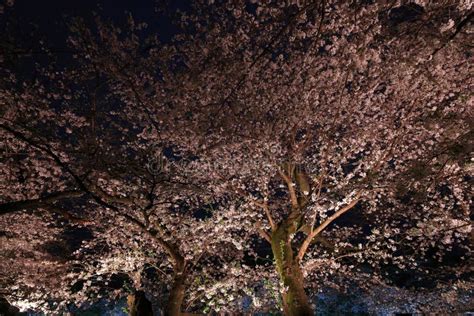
[(50, 15)]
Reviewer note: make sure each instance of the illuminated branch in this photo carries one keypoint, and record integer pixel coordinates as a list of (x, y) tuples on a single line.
[(171, 249), (263, 233), (264, 205), (321, 227), (320, 185), (291, 189), (108, 197)]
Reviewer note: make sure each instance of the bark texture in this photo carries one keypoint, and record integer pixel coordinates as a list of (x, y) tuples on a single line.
[(178, 288), (295, 301), (287, 263), (139, 305)]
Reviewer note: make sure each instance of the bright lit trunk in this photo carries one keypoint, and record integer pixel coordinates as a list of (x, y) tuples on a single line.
[(176, 297), (294, 298)]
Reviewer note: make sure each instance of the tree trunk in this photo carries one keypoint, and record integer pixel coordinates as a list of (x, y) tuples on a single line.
[(176, 297), (139, 305), (294, 298)]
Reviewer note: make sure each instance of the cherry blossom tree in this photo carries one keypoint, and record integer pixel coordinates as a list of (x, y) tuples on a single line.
[(338, 132)]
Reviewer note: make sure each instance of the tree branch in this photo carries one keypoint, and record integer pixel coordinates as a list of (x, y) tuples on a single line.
[(321, 227), (66, 214), (263, 233), (291, 188), (108, 197), (171, 249), (11, 207), (264, 205), (320, 185)]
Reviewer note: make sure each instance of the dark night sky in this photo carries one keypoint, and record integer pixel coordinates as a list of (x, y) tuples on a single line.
[(50, 10), (48, 14)]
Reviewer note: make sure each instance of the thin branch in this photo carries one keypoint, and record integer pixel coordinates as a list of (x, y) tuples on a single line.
[(204, 251), (320, 185), (321, 227), (291, 189), (464, 22), (108, 197), (264, 205), (66, 214), (263, 233), (170, 248), (267, 49)]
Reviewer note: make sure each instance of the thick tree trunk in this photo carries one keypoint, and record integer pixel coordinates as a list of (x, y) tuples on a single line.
[(176, 297), (294, 298), (139, 305), (295, 301)]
